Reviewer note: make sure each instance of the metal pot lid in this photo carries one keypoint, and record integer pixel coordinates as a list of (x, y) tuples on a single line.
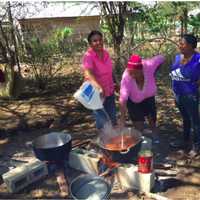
[(90, 187), (51, 140)]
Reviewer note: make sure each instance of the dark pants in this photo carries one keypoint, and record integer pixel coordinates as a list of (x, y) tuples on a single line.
[(189, 109), (102, 117), (138, 111)]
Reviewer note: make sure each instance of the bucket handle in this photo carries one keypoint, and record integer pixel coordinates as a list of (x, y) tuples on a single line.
[(29, 144), (125, 151)]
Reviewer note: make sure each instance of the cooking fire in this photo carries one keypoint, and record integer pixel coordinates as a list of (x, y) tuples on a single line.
[(107, 162)]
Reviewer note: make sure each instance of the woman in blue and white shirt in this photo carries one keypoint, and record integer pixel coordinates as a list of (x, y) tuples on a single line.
[(185, 74)]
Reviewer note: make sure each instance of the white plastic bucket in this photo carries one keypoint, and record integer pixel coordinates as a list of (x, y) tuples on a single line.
[(89, 96)]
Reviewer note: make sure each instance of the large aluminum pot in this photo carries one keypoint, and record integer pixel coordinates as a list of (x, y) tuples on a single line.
[(90, 187), (53, 147)]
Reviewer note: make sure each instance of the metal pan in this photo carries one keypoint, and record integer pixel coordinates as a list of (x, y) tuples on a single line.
[(53, 147), (90, 187)]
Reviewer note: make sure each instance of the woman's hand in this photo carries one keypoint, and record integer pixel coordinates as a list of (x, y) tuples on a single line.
[(99, 88), (102, 96), (89, 76), (198, 82)]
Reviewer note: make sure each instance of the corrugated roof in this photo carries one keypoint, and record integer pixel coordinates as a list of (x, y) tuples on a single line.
[(67, 9), (20, 9)]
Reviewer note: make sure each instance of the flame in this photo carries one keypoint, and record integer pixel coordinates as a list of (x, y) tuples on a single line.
[(108, 162)]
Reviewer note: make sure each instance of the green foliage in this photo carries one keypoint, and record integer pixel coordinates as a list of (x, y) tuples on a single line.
[(46, 57), (194, 21), (159, 19), (40, 51), (59, 38)]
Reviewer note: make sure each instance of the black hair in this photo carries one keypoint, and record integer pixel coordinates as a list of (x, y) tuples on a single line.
[(190, 39), (95, 32)]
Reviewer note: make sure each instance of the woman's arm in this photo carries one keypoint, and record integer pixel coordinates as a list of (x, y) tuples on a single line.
[(89, 76), (155, 61), (88, 66)]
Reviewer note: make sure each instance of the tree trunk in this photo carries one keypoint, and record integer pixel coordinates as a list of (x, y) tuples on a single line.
[(118, 65), (117, 49), (13, 38), (6, 88), (182, 28), (185, 20), (115, 16)]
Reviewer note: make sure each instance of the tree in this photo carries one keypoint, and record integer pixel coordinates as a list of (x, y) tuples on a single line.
[(13, 38), (115, 14), (9, 45), (5, 42), (46, 58), (194, 21), (181, 9)]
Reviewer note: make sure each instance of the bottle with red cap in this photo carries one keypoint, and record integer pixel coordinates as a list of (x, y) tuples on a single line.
[(145, 161)]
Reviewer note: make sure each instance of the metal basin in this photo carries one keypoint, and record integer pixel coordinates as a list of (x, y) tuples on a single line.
[(90, 187)]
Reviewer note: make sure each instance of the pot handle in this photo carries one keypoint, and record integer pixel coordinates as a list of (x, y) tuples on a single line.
[(126, 151), (29, 144)]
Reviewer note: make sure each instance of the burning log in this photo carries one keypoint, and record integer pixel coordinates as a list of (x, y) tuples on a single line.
[(62, 183)]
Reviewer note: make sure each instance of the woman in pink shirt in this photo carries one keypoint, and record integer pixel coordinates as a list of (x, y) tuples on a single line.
[(138, 90), (98, 68)]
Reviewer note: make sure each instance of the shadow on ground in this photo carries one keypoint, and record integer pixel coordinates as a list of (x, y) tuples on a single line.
[(54, 109)]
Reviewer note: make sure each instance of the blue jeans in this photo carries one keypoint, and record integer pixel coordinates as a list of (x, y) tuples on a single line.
[(101, 117), (189, 109)]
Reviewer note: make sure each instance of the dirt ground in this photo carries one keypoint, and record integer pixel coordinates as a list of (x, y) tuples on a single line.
[(36, 113)]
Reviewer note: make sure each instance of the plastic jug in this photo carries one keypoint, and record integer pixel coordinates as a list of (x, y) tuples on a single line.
[(89, 96)]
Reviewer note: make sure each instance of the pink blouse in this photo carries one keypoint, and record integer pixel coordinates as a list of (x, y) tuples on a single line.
[(129, 88), (102, 69)]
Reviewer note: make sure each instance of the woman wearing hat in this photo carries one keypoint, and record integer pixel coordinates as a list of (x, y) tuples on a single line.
[(185, 74), (138, 90)]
